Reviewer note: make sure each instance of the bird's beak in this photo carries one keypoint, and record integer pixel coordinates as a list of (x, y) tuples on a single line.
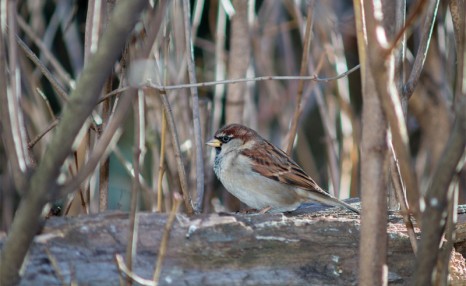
[(214, 143)]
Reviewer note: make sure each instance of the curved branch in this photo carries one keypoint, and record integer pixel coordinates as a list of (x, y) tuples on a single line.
[(421, 55)]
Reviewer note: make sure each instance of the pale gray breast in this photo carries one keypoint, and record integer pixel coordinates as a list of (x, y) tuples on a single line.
[(236, 175)]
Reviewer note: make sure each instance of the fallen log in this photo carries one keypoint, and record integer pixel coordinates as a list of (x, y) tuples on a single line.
[(302, 248)]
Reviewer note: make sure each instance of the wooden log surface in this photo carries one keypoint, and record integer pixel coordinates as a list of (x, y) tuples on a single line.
[(302, 248)]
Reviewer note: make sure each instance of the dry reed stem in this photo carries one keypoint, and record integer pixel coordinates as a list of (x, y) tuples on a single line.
[(195, 109), (400, 193), (133, 221), (161, 163), (304, 67), (165, 238)]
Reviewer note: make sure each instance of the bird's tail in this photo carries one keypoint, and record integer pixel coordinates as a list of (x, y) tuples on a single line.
[(327, 199), (348, 206)]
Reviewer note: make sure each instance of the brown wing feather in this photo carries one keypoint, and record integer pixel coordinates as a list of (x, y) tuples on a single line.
[(286, 171)]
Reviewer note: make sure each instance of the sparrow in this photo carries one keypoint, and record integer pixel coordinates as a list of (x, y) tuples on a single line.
[(261, 175)]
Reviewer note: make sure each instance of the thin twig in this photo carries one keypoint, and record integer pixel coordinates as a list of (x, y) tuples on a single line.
[(230, 81), (304, 67), (219, 91), (195, 105), (260, 78), (15, 94), (104, 170), (197, 12), (401, 197), (164, 132), (12, 116), (93, 24), (165, 238), (55, 266), (133, 221), (443, 262), (177, 153), (47, 103), (426, 34), (129, 169), (330, 138), (347, 123), (458, 14), (42, 134), (161, 164), (77, 164), (415, 13), (56, 86), (92, 29), (106, 141), (61, 72), (48, 75), (121, 265)]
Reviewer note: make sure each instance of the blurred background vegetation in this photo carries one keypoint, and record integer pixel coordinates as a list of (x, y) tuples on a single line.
[(329, 130)]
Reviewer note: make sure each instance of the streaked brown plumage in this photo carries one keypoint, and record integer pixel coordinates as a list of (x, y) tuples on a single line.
[(261, 175)]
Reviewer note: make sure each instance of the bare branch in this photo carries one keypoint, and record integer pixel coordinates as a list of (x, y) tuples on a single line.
[(436, 199), (426, 33), (231, 81)]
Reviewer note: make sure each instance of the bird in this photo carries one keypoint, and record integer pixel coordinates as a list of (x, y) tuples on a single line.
[(261, 175)]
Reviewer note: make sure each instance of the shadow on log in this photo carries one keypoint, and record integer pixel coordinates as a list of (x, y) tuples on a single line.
[(302, 248)]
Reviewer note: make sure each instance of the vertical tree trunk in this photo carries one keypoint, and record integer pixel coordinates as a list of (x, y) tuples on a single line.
[(373, 188), (373, 243)]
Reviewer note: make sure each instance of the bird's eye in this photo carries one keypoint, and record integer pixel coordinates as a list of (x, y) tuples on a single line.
[(225, 139)]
